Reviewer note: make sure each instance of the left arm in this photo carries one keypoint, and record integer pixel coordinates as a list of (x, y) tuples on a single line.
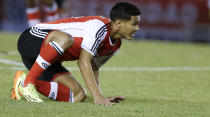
[(96, 63), (96, 73)]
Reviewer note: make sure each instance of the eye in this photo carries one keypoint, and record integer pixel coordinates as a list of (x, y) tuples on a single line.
[(134, 24)]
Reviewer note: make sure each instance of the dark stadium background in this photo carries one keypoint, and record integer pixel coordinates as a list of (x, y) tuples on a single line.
[(170, 20)]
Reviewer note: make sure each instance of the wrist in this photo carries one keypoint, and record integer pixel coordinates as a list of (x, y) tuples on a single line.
[(97, 96)]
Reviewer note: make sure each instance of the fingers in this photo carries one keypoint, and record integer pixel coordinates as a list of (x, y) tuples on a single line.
[(116, 99), (109, 101), (120, 97), (106, 103), (103, 101)]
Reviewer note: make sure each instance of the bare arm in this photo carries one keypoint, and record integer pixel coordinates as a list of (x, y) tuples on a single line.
[(85, 67), (115, 99), (96, 74), (96, 64)]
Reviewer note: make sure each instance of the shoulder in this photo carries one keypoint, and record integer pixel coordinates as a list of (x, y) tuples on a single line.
[(99, 25), (105, 20), (102, 19), (98, 20)]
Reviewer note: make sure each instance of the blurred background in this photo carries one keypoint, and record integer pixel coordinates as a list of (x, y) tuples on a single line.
[(170, 20)]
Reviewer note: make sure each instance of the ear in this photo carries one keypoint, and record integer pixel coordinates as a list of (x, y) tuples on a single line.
[(118, 23)]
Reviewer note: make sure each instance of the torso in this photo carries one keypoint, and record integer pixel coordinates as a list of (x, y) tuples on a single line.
[(90, 33)]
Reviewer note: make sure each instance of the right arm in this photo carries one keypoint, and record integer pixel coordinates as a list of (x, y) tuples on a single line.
[(85, 67)]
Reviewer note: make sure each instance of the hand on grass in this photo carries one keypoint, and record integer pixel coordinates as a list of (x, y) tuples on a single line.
[(116, 99), (101, 100)]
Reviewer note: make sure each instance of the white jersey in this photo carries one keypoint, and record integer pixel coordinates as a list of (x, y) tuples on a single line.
[(91, 29), (90, 33)]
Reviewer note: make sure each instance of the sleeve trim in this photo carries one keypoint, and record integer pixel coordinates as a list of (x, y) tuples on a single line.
[(89, 51)]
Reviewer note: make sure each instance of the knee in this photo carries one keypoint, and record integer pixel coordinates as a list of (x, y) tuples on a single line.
[(64, 40), (81, 96)]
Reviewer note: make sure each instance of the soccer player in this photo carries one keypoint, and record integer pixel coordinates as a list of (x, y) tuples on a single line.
[(50, 9), (90, 40)]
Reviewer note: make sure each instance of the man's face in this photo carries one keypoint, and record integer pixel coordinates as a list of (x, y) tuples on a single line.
[(129, 28)]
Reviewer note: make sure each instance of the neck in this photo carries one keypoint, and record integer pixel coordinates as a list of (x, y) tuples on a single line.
[(114, 33)]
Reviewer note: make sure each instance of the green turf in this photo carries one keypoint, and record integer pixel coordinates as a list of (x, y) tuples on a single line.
[(175, 93)]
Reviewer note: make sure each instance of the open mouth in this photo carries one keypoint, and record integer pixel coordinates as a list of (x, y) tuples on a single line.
[(133, 34)]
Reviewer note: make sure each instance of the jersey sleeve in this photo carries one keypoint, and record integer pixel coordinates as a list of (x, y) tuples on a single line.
[(94, 34)]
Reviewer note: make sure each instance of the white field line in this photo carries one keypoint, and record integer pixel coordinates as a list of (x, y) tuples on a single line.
[(20, 66), (132, 69), (8, 53), (10, 62), (155, 69)]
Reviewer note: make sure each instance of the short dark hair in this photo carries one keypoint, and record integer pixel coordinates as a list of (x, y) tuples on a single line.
[(124, 11)]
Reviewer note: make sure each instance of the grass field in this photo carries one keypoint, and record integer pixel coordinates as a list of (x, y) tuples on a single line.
[(159, 79)]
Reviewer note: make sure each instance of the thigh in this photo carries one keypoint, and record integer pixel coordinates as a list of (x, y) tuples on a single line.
[(29, 48), (30, 42), (28, 62), (29, 45)]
